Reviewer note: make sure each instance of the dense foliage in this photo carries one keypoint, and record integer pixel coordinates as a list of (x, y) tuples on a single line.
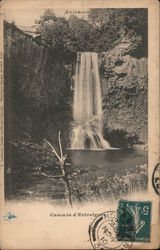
[(99, 31)]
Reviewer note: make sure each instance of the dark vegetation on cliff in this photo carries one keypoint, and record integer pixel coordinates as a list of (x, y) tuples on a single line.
[(99, 32), (38, 95)]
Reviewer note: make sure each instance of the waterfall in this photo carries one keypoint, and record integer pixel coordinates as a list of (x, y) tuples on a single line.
[(87, 105)]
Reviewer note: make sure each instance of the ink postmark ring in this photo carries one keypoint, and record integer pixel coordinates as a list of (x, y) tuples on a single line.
[(156, 178), (103, 232)]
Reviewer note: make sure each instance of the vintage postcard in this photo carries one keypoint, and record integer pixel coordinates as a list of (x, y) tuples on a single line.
[(79, 107)]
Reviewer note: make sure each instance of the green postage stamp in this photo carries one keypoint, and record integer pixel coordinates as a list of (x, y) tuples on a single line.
[(134, 220)]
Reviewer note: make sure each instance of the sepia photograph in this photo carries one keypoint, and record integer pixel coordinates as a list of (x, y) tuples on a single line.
[(79, 111), (75, 111)]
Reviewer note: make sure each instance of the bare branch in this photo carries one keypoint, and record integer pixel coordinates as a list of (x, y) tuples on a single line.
[(54, 151), (62, 165), (60, 145), (49, 176)]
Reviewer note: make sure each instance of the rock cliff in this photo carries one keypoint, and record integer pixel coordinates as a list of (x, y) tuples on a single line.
[(37, 73), (124, 88), (37, 85)]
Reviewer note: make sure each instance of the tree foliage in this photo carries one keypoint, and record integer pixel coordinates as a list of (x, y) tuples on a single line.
[(54, 31), (98, 32)]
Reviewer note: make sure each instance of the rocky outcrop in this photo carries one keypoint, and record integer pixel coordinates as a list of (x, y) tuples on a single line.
[(37, 89), (37, 73), (124, 87), (37, 85)]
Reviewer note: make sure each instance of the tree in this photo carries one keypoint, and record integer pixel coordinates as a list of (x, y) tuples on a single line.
[(100, 32), (54, 31), (82, 34), (115, 24)]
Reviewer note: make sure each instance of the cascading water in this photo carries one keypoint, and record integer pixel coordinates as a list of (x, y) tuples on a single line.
[(87, 105)]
